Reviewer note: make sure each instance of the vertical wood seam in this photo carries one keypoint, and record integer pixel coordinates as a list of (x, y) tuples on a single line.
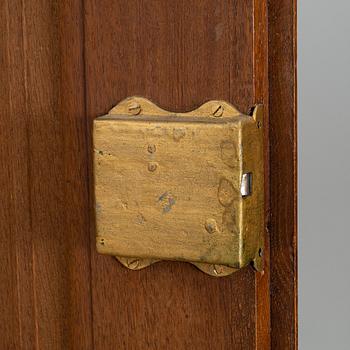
[(88, 163)]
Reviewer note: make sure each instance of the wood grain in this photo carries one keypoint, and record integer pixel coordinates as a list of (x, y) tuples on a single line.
[(15, 219), (44, 248), (283, 152), (178, 54), (261, 95)]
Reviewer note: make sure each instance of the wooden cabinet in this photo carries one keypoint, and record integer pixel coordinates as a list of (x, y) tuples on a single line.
[(63, 63)]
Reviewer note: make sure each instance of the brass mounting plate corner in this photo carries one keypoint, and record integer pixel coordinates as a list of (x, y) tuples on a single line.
[(180, 186)]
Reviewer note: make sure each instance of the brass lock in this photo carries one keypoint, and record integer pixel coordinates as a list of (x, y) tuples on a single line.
[(180, 186)]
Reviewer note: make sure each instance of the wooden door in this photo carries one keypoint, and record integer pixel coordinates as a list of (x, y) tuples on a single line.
[(63, 63)]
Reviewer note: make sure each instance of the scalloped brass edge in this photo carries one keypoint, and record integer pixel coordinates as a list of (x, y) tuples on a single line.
[(142, 106), (210, 269)]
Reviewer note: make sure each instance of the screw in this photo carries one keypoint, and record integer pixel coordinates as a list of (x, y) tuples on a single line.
[(152, 166), (217, 110), (134, 108), (133, 263), (217, 269), (151, 148)]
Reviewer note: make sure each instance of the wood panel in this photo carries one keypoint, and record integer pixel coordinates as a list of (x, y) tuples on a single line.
[(64, 63), (178, 54), (261, 95), (283, 179), (44, 244)]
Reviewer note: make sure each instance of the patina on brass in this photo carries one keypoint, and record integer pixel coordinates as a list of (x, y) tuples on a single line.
[(180, 186)]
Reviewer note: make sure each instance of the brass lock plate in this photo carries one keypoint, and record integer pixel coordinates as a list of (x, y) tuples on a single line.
[(180, 186)]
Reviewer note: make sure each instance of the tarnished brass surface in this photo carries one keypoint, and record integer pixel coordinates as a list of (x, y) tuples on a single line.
[(180, 186)]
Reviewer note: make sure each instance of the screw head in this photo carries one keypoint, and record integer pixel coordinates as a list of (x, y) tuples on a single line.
[(134, 108), (218, 269), (217, 110), (133, 263), (151, 148)]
